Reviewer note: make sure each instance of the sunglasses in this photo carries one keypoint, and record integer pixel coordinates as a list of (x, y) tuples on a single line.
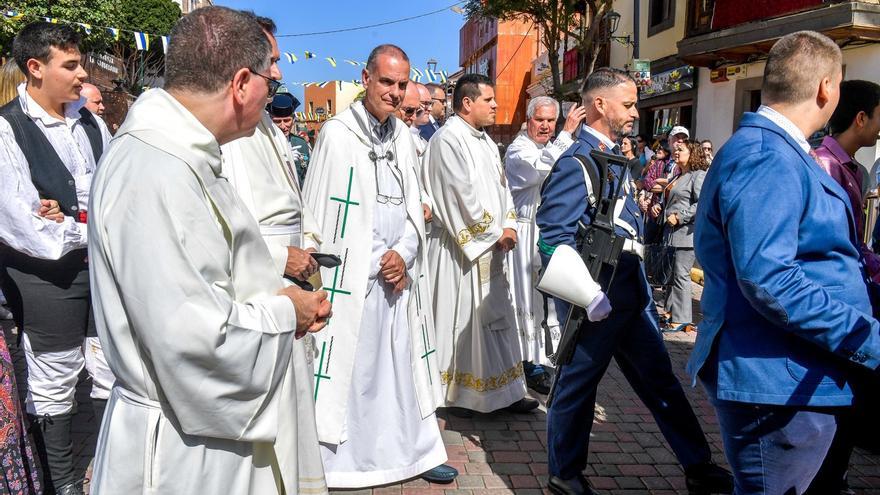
[(272, 83), (409, 110)]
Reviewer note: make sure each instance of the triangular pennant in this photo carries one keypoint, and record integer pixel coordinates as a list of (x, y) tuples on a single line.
[(430, 76)]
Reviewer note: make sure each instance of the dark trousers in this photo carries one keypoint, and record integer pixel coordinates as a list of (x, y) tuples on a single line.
[(774, 449), (632, 338)]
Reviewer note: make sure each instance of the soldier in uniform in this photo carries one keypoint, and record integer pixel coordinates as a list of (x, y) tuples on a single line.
[(620, 324)]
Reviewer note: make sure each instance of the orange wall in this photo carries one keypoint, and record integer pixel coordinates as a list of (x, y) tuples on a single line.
[(509, 50)]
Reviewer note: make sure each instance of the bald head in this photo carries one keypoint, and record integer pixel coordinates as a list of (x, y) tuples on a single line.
[(410, 106), (94, 100)]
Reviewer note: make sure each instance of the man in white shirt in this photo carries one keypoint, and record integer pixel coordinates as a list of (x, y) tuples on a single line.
[(527, 162), (94, 99), (49, 148)]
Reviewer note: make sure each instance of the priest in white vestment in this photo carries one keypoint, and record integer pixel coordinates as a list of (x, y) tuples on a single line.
[(474, 227), (376, 374), (195, 323), (527, 162)]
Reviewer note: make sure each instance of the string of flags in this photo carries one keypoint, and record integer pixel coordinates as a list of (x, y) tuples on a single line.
[(142, 43)]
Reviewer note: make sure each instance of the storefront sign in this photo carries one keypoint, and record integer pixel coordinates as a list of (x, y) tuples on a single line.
[(642, 72), (737, 72), (670, 81)]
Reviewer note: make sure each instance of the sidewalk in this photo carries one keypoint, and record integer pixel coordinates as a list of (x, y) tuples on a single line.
[(505, 453)]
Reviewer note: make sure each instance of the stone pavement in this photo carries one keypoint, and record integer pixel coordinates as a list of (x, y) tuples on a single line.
[(505, 453)]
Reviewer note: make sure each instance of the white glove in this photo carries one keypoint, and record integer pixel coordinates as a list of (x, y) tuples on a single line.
[(599, 308)]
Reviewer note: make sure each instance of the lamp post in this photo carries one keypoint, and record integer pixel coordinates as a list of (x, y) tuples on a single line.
[(613, 19), (432, 65)]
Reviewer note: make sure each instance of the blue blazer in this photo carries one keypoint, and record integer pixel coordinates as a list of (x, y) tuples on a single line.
[(787, 317)]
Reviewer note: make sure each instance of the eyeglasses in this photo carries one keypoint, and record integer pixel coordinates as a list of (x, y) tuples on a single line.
[(409, 110), (273, 84), (707, 148)]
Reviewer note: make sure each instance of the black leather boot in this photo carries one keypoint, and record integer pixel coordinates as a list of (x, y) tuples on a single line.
[(57, 454)]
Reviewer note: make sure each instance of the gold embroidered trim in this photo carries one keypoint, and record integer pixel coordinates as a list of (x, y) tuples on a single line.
[(467, 235), (468, 380), (511, 215)]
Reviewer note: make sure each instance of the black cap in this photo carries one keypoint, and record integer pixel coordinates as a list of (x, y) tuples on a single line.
[(282, 105)]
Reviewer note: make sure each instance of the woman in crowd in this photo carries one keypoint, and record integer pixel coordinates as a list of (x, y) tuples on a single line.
[(628, 147), (681, 197)]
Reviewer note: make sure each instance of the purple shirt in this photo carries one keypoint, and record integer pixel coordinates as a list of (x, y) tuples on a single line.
[(845, 171)]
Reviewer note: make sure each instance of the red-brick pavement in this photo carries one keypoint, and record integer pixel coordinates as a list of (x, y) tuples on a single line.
[(505, 453)]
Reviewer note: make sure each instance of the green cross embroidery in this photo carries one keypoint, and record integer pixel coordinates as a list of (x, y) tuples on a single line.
[(347, 201), (427, 352), (319, 374), (333, 290)]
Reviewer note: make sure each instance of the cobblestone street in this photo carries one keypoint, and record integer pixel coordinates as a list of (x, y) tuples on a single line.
[(505, 453)]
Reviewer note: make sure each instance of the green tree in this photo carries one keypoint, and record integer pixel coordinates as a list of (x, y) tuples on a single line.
[(148, 16), (577, 20)]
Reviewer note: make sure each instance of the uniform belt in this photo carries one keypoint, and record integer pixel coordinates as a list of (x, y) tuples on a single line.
[(634, 247)]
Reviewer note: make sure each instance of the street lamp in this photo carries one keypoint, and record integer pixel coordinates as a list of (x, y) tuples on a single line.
[(613, 19), (432, 65)]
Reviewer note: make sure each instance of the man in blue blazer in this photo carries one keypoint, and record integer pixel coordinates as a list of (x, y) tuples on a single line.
[(627, 329), (787, 330)]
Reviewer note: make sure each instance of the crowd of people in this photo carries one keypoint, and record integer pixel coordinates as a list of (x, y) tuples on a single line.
[(260, 316)]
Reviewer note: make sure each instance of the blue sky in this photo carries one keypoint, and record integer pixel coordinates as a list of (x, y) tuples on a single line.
[(434, 36)]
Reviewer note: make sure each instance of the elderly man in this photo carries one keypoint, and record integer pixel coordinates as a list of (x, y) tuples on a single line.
[(527, 162), (787, 337), (438, 111), (197, 326), (49, 150), (94, 99), (474, 228), (376, 379), (620, 324)]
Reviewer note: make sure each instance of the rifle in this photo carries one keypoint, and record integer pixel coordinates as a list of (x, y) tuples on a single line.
[(599, 247)]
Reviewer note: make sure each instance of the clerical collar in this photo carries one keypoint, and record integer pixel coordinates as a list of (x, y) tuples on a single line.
[(601, 137)]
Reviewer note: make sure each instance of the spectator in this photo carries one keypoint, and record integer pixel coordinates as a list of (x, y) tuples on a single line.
[(629, 147), (645, 151), (706, 148), (682, 195)]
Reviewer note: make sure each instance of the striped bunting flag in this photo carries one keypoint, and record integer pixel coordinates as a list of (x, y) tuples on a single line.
[(352, 62), (165, 41), (331, 60), (291, 58), (142, 41), (308, 54), (114, 32)]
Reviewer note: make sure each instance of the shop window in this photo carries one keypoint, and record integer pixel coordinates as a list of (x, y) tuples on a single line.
[(661, 16)]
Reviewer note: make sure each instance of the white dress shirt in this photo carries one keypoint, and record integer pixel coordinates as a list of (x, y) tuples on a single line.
[(786, 125), (21, 227)]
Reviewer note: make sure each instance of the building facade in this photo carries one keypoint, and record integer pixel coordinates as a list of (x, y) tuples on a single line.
[(503, 51), (325, 100), (187, 6)]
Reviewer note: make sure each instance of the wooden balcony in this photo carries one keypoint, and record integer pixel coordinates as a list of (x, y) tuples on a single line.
[(844, 22)]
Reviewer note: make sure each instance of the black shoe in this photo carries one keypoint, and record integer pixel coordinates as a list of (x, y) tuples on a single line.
[(574, 486), (441, 474), (540, 383), (524, 405), (70, 489), (460, 412), (708, 478)]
